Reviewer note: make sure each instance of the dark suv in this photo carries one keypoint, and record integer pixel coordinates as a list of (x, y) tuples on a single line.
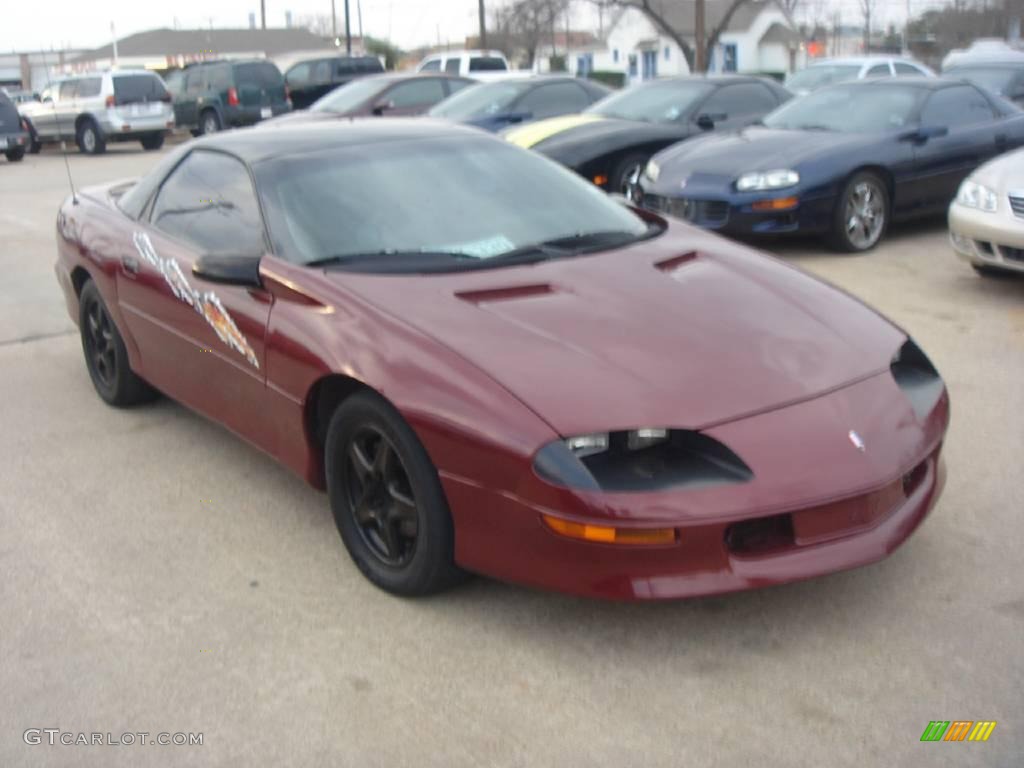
[(309, 80), (14, 138), (211, 96)]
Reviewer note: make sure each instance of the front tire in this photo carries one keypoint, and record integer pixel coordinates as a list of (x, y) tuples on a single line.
[(152, 141), (618, 180), (105, 355), (15, 155), (861, 215), (90, 138), (387, 499)]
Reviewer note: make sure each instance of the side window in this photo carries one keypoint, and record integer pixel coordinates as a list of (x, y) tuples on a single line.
[(89, 87), (739, 100), (553, 99), (906, 70), (218, 78), (452, 66), (956, 107), (193, 81), (209, 203), (344, 68), (68, 90), (299, 74), (413, 93), (879, 70), (434, 65), (322, 72), (456, 84)]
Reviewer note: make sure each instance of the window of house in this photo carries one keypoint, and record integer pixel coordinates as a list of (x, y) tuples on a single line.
[(615, 55), (666, 52), (632, 65)]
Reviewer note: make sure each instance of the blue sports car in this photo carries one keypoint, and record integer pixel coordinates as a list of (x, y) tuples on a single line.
[(842, 161), (501, 103)]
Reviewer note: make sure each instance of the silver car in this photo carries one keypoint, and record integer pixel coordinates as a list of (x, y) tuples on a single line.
[(986, 220), (94, 109)]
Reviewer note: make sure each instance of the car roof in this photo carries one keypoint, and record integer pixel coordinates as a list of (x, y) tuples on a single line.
[(873, 58), (259, 144), (914, 81)]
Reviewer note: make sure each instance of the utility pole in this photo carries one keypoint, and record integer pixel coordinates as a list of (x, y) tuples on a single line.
[(348, 32), (263, 14), (334, 23), (483, 25), (700, 55)]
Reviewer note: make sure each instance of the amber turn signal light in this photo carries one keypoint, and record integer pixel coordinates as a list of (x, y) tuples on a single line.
[(600, 180), (606, 534), (777, 204)]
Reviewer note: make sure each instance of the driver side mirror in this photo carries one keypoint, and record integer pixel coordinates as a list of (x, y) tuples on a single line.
[(518, 117), (382, 106), (707, 121), (242, 271)]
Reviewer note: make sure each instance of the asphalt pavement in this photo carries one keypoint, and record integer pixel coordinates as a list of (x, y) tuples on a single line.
[(159, 575)]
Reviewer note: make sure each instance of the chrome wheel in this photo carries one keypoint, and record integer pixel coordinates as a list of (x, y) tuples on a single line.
[(864, 214), (89, 139), (381, 497)]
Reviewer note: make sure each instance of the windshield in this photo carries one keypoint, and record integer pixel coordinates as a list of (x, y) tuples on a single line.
[(476, 198), (349, 96), (657, 102), (850, 109), (822, 74), (997, 79), (478, 101)]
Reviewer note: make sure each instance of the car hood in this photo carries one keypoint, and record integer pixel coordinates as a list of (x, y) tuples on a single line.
[(577, 138), (756, 149), (686, 330), (1003, 174)]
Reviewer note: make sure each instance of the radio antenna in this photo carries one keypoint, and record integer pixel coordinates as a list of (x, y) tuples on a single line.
[(60, 135)]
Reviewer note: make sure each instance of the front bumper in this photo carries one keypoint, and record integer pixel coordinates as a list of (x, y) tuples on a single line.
[(988, 239), (817, 505)]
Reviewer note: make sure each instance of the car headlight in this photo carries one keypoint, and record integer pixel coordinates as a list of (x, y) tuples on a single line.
[(652, 171), (646, 459), (974, 195), (759, 180)]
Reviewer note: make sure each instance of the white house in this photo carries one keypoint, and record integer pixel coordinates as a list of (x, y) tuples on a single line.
[(760, 37)]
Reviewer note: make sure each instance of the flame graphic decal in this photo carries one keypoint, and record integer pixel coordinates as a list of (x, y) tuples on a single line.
[(205, 303)]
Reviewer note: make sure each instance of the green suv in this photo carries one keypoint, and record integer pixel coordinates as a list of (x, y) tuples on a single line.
[(210, 96)]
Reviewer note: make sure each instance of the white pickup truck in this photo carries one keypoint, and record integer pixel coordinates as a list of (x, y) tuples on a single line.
[(479, 65)]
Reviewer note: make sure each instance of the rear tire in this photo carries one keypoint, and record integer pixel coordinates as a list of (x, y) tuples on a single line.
[(15, 155), (106, 358), (387, 499), (90, 138), (153, 141), (209, 122)]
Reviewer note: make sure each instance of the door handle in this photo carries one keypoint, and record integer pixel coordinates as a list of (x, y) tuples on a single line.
[(130, 264)]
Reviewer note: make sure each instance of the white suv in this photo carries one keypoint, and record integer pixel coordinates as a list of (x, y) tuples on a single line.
[(482, 65), (122, 105)]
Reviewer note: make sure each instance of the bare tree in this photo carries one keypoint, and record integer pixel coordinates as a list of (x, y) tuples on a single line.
[(867, 8), (523, 25)]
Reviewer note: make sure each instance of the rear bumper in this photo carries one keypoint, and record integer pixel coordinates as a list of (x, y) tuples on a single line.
[(116, 125), (245, 115), (14, 140)]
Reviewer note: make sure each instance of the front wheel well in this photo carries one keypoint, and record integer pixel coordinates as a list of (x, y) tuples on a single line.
[(82, 120), (79, 277), (323, 400)]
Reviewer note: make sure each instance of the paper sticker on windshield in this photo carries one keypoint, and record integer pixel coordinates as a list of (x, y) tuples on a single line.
[(205, 303), (481, 249)]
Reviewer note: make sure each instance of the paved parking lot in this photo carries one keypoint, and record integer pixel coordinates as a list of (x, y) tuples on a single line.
[(157, 574)]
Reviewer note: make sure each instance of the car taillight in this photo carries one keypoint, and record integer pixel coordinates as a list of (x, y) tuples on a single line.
[(166, 98), (232, 97), (110, 102)]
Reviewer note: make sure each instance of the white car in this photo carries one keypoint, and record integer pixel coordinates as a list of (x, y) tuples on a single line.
[(480, 65), (120, 105), (831, 71), (986, 220)]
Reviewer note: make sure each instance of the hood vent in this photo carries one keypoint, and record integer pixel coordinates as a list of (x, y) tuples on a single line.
[(671, 265), (506, 293)]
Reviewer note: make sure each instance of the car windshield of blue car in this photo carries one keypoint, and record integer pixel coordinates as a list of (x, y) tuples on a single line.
[(479, 101), (457, 201), (657, 102), (850, 109), (820, 75), (349, 96)]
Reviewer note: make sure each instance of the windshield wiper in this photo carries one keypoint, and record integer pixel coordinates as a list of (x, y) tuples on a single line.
[(390, 259), (813, 127)]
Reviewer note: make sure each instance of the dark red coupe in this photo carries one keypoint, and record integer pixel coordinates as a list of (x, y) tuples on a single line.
[(492, 366)]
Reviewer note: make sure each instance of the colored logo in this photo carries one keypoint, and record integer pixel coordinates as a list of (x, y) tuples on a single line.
[(958, 730)]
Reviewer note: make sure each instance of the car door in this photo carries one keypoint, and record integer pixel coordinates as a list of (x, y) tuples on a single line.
[(735, 106), (44, 114), (942, 162), (186, 103), (412, 97), (201, 342), (65, 108)]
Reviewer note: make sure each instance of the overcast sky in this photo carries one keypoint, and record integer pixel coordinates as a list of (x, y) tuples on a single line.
[(86, 23)]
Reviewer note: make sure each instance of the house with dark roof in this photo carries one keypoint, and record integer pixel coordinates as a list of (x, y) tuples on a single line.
[(162, 49), (759, 37)]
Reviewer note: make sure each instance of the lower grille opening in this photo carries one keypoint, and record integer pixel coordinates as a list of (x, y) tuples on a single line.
[(764, 534), (914, 477)]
